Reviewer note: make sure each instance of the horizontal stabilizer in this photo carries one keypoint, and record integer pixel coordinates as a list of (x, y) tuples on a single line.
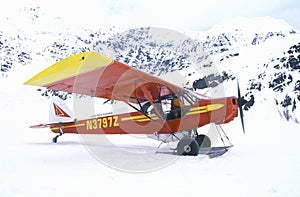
[(47, 125), (39, 126)]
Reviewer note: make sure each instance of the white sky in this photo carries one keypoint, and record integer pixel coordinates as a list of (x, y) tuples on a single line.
[(183, 15)]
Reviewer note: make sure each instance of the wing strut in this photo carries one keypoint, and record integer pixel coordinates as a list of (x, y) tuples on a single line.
[(133, 107), (151, 100)]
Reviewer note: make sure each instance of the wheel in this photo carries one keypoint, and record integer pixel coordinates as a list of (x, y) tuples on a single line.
[(188, 146), (203, 141), (54, 140)]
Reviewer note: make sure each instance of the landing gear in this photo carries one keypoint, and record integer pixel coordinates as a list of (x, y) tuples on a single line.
[(188, 146), (203, 141), (54, 140), (192, 143)]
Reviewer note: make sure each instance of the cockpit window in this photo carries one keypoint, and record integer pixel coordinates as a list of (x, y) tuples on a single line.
[(172, 104)]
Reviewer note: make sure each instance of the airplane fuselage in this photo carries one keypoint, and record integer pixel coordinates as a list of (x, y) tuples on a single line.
[(219, 111)]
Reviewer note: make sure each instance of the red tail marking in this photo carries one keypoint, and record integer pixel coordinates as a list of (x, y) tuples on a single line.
[(60, 112)]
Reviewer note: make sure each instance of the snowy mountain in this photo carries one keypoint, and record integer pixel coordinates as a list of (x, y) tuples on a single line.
[(263, 53)]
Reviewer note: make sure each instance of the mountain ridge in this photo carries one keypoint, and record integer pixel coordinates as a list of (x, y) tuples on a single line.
[(265, 56)]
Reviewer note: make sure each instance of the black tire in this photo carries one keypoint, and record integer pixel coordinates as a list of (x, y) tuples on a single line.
[(188, 146), (203, 141), (54, 140)]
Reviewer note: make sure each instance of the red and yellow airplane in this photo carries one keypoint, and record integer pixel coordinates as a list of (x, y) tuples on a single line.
[(162, 110)]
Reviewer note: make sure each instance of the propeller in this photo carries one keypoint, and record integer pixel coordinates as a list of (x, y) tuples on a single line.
[(240, 104)]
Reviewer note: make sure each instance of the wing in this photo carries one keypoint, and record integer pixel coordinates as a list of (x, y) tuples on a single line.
[(90, 73)]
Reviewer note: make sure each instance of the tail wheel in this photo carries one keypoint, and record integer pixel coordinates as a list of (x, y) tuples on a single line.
[(203, 141), (188, 146)]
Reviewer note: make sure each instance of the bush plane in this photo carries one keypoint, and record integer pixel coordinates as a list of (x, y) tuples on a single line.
[(162, 110)]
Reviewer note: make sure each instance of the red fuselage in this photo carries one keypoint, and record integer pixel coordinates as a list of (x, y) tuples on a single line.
[(218, 111)]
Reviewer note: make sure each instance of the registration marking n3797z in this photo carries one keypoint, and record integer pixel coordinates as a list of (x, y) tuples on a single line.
[(102, 122)]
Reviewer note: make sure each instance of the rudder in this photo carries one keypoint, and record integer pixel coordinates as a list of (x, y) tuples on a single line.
[(59, 111)]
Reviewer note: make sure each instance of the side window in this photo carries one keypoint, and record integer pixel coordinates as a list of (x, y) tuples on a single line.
[(166, 105)]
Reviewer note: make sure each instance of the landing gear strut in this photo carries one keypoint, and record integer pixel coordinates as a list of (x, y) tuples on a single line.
[(54, 140)]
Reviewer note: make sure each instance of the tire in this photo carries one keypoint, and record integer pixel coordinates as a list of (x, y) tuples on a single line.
[(188, 146), (54, 140), (203, 141)]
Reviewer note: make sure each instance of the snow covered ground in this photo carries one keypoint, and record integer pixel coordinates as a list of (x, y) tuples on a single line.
[(264, 162)]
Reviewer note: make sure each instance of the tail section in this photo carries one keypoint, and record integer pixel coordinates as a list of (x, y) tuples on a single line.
[(59, 111)]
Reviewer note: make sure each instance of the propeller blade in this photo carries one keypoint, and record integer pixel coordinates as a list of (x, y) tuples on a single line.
[(239, 90), (240, 106), (242, 118)]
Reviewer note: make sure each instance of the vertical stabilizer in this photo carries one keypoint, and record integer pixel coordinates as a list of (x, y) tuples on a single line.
[(59, 111)]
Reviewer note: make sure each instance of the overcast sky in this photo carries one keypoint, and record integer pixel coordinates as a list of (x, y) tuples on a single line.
[(184, 15)]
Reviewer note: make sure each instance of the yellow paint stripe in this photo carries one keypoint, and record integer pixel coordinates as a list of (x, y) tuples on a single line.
[(206, 108), (198, 108), (70, 126), (214, 107), (196, 112), (147, 119), (137, 117), (68, 67)]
